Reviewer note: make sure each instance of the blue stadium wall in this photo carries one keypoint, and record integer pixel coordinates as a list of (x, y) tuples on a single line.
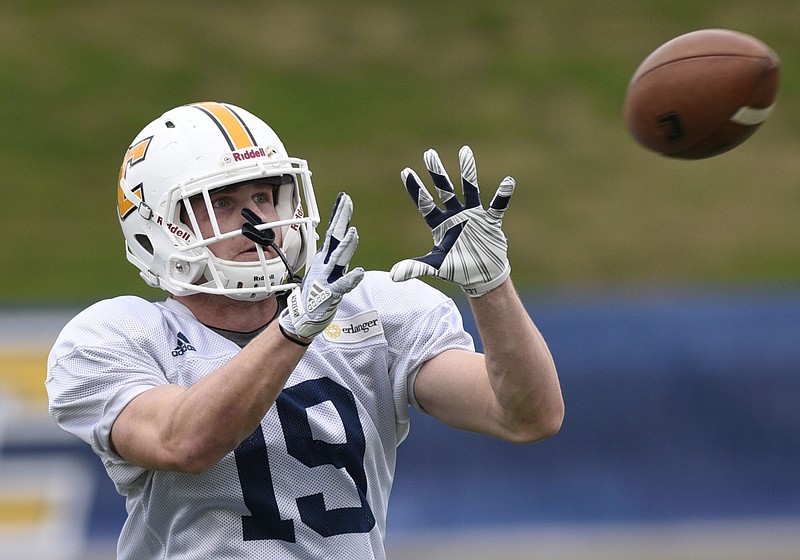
[(677, 406)]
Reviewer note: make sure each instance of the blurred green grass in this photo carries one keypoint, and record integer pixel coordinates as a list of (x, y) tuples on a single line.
[(361, 89)]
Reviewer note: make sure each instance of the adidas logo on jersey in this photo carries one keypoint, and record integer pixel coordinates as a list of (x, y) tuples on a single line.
[(183, 345)]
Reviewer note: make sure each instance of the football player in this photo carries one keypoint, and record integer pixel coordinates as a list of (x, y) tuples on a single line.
[(255, 413)]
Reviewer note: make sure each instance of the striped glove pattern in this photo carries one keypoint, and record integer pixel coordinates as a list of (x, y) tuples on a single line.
[(469, 247), (312, 305)]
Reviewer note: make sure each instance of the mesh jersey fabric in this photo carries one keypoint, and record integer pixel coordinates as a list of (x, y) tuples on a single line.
[(313, 480)]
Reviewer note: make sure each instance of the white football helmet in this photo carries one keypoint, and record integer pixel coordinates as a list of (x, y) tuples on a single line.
[(188, 152)]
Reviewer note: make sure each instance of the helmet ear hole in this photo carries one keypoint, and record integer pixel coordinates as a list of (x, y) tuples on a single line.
[(144, 242)]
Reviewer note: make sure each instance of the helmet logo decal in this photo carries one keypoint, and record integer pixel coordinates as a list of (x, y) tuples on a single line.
[(134, 155), (175, 230), (298, 213), (230, 125), (249, 153)]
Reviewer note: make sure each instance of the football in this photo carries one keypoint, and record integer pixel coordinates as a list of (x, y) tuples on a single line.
[(702, 93)]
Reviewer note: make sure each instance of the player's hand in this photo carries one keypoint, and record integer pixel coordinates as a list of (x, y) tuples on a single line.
[(312, 305), (469, 247)]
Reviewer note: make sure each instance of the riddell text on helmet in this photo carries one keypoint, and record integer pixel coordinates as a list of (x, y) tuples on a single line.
[(174, 230), (250, 153)]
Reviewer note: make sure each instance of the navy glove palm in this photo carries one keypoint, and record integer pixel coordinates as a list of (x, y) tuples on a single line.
[(469, 249)]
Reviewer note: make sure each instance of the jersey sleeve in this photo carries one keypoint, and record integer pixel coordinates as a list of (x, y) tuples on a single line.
[(441, 329), (101, 361), (420, 322)]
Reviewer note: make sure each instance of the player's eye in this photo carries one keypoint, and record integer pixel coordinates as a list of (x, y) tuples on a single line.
[(220, 203)]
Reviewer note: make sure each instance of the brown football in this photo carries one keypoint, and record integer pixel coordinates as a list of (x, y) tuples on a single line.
[(702, 94)]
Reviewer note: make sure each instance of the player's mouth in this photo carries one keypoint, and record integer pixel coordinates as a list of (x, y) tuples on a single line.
[(251, 254)]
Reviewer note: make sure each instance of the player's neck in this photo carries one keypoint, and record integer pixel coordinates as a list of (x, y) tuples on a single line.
[(229, 314)]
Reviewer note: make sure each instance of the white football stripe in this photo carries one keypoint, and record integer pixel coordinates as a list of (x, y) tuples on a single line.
[(748, 116)]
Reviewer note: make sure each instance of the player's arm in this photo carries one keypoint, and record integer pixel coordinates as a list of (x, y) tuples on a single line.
[(512, 390), (189, 429)]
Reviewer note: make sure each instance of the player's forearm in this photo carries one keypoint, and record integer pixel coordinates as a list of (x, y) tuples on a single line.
[(238, 395), (211, 418), (520, 366)]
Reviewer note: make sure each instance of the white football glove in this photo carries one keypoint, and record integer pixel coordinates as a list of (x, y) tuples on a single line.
[(312, 305), (469, 247)]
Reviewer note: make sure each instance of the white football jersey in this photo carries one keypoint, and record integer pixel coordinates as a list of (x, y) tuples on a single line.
[(313, 481)]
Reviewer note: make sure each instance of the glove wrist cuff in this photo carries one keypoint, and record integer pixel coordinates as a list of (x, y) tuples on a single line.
[(293, 337), (478, 290)]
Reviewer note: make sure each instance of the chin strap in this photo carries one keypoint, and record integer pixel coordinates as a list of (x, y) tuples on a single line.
[(144, 210), (265, 237)]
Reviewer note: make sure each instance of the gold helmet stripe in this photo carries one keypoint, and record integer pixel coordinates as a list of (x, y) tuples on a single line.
[(232, 127)]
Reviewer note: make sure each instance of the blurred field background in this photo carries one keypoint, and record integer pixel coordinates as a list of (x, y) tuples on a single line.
[(360, 89)]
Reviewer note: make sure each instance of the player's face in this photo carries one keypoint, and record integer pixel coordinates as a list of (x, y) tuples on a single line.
[(258, 196)]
